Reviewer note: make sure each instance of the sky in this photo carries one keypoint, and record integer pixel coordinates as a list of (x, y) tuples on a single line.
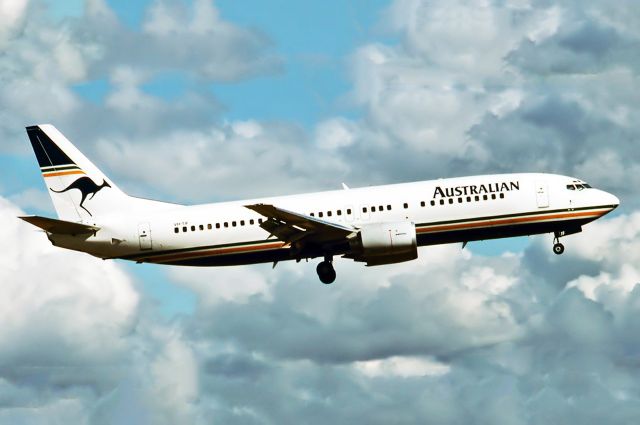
[(237, 99)]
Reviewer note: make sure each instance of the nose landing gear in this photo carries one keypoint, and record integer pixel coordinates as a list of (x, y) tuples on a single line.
[(326, 272), (558, 248)]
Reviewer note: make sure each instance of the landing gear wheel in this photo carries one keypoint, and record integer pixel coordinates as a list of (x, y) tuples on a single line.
[(326, 272), (558, 248)]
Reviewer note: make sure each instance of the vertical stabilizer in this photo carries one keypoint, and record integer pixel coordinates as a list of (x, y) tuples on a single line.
[(78, 189)]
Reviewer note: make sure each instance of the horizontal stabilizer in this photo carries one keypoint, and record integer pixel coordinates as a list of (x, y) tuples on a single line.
[(59, 227)]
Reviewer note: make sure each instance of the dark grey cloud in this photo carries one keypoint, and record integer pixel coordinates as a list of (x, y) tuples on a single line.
[(577, 48), (558, 134)]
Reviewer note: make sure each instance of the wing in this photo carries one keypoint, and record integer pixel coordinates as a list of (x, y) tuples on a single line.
[(289, 226), (59, 227)]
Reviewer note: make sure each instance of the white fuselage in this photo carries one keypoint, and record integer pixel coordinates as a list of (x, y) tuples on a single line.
[(443, 211)]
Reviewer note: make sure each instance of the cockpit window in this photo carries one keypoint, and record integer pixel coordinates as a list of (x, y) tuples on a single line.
[(578, 186)]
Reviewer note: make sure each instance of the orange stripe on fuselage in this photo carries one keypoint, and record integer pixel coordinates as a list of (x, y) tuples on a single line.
[(219, 251), (63, 173), (275, 245), (507, 221)]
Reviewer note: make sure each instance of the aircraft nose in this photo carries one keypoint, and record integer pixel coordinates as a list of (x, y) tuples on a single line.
[(611, 200)]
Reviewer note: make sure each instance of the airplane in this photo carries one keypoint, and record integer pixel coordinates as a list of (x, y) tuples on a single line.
[(374, 225)]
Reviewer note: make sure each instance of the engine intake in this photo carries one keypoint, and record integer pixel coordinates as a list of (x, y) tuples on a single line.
[(385, 243)]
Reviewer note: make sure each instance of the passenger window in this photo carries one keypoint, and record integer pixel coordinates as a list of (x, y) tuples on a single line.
[(422, 203), (320, 214), (329, 213), (201, 227), (441, 201), (405, 205), (193, 228), (459, 200), (184, 229), (209, 226), (388, 207), (217, 225), (364, 209), (373, 209), (502, 196), (433, 203), (380, 208), (226, 224), (348, 211), (451, 200), (485, 197), (176, 230), (233, 223), (493, 196), (339, 212), (468, 198), (251, 221), (241, 222), (477, 198), (313, 214), (259, 221)]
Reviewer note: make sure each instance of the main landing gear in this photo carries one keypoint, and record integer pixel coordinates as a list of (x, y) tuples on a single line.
[(326, 272), (558, 248)]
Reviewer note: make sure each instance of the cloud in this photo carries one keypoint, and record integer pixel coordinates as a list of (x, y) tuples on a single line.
[(77, 342), (432, 339), (63, 313), (334, 134), (284, 161), (485, 87), (176, 36), (12, 14), (453, 337), (46, 58)]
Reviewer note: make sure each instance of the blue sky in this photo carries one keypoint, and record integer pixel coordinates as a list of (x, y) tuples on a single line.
[(199, 101)]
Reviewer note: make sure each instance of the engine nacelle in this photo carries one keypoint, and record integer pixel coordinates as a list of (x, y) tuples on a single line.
[(385, 243)]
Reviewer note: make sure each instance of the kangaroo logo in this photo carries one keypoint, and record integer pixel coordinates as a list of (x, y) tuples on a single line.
[(87, 187)]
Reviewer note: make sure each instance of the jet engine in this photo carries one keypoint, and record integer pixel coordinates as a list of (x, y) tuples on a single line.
[(385, 243)]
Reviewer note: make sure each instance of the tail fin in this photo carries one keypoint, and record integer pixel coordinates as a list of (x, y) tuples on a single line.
[(78, 189)]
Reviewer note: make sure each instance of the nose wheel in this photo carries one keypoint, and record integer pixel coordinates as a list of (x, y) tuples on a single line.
[(558, 248), (326, 272)]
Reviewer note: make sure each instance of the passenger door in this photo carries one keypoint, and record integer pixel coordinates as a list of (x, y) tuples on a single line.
[(542, 195), (144, 236)]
